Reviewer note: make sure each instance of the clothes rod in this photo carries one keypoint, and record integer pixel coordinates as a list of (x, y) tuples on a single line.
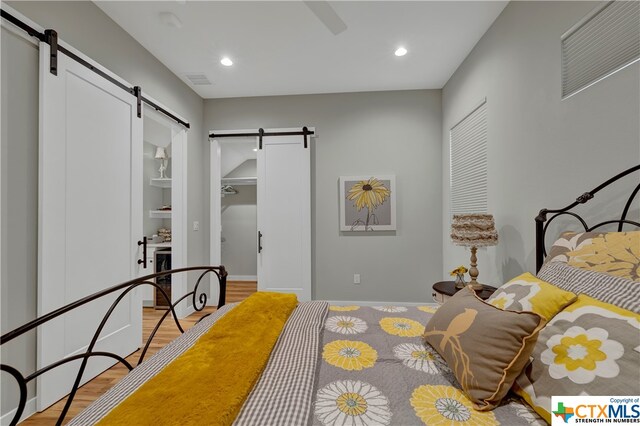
[(261, 133), (51, 38)]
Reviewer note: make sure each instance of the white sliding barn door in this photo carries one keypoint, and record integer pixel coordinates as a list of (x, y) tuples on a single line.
[(284, 216), (90, 218)]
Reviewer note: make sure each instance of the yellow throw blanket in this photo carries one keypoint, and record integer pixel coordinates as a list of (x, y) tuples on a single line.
[(208, 383)]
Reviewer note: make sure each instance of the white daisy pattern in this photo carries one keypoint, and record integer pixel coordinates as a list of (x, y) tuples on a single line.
[(351, 403), (417, 356), (392, 309), (345, 325)]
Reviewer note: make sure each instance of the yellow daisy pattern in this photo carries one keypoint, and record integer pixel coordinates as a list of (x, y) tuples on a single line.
[(403, 327), (343, 308), (428, 309), (368, 193), (349, 354), (447, 405)]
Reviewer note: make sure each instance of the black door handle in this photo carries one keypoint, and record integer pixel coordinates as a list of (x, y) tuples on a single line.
[(143, 261), (259, 242)]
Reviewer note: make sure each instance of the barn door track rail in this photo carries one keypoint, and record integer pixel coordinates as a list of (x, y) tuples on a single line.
[(51, 38), (261, 133)]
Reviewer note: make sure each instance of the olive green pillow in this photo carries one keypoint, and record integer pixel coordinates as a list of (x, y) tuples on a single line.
[(485, 347)]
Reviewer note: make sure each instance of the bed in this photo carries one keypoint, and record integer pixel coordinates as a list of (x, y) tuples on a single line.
[(369, 365)]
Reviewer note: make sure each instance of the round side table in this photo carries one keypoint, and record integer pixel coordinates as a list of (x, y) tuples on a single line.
[(443, 290)]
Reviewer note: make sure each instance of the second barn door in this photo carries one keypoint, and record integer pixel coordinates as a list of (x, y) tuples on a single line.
[(284, 215)]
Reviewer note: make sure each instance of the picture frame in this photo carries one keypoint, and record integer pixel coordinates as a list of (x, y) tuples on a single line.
[(367, 203)]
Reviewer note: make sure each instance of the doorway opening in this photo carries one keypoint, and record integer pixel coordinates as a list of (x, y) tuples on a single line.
[(238, 215), (281, 229), (164, 209)]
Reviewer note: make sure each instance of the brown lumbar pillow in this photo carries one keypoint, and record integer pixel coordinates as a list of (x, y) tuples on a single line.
[(485, 346)]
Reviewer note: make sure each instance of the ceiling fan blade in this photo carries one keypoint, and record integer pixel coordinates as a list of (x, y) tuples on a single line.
[(325, 13)]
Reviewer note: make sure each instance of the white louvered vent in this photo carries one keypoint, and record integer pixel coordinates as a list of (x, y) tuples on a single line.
[(604, 42), (468, 147), (198, 79)]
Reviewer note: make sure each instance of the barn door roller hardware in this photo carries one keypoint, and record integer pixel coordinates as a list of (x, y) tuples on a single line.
[(137, 91), (51, 38), (261, 134)]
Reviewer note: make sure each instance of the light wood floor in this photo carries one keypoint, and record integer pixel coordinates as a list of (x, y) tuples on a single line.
[(236, 291)]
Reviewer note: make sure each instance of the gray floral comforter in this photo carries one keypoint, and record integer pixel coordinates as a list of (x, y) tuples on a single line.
[(374, 370)]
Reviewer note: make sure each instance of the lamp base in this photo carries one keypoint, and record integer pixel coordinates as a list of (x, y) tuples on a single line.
[(473, 271), (162, 169)]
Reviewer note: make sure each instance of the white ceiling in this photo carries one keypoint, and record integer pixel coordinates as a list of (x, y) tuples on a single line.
[(282, 48)]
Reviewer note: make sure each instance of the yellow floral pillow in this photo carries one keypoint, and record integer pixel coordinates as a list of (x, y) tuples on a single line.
[(528, 293), (613, 253), (590, 347)]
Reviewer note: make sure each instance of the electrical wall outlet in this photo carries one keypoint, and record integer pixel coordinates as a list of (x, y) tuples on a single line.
[(356, 278), (196, 225)]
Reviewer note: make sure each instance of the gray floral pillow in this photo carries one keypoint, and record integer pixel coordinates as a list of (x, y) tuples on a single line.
[(590, 348)]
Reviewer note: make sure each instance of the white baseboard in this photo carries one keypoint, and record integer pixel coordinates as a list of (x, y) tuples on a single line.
[(186, 311), (29, 410), (374, 303), (242, 278)]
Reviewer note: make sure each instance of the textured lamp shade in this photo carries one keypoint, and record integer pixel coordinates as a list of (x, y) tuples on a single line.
[(161, 154), (474, 230)]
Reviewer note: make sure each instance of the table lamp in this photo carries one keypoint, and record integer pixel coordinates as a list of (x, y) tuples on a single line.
[(474, 230), (161, 154)]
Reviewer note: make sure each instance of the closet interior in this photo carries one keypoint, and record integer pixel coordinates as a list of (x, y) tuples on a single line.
[(239, 208), (157, 217)]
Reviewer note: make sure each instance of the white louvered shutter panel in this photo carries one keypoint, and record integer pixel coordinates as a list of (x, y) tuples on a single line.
[(601, 44), (468, 149)]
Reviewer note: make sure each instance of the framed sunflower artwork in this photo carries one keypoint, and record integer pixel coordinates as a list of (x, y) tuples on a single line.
[(368, 203)]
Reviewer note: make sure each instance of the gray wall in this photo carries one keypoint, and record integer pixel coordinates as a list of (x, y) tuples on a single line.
[(19, 203), (542, 151), (396, 132), (239, 230), (87, 28)]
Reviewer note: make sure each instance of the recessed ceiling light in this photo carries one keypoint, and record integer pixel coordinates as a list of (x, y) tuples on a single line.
[(400, 51), (255, 149), (226, 61)]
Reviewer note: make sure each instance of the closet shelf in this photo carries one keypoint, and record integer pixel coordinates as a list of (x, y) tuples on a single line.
[(161, 182), (239, 181), (160, 214)]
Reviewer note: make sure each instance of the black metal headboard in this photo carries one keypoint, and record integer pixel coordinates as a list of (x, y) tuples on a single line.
[(542, 223), (199, 301)]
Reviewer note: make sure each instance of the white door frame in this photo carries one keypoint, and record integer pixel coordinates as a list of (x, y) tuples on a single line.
[(215, 215), (215, 208), (179, 226)]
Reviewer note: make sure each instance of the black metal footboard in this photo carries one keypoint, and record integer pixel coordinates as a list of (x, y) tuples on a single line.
[(542, 223), (199, 301)]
